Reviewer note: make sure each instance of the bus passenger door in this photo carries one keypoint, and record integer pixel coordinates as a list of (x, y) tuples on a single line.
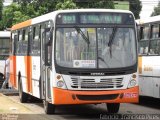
[(45, 64)]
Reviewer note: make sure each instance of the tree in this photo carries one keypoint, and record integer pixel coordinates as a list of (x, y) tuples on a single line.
[(12, 15), (44, 6), (1, 7), (135, 7), (66, 4), (96, 4), (156, 10), (23, 10), (8, 15)]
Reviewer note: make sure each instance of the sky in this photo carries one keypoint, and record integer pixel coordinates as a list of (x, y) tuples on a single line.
[(7, 2), (148, 7)]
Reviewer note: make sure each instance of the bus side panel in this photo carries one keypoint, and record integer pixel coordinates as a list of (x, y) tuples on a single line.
[(145, 78), (35, 68), (22, 71), (149, 76), (13, 71)]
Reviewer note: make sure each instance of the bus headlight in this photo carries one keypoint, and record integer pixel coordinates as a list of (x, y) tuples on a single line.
[(60, 82), (132, 83)]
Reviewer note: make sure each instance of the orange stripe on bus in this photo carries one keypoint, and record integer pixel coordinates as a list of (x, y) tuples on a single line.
[(28, 73), (13, 71), (21, 25), (140, 65), (25, 65)]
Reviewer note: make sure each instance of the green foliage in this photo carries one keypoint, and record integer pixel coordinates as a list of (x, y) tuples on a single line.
[(44, 6), (135, 7), (102, 4), (96, 4), (23, 10), (9, 15), (1, 7), (156, 10), (66, 4), (19, 17)]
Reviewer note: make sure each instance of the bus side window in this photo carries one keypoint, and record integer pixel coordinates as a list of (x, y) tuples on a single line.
[(154, 47), (144, 32), (14, 39), (18, 42), (143, 47), (155, 31), (144, 41), (141, 33), (35, 43), (25, 41)]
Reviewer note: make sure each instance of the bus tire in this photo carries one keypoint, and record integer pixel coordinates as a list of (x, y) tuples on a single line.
[(22, 95), (113, 107), (48, 107), (1, 76)]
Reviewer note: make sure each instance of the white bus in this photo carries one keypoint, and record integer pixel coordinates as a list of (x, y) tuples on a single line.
[(149, 56), (83, 56), (4, 51)]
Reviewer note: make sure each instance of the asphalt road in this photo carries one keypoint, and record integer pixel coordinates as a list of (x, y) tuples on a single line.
[(148, 107)]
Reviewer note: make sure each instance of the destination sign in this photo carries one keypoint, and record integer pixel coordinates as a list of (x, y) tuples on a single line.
[(112, 18), (95, 18)]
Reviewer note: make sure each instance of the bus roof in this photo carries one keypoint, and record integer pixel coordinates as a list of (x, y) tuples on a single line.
[(148, 20), (52, 15), (5, 34)]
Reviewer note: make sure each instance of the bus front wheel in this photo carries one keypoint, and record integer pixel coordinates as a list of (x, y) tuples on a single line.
[(48, 107), (113, 107)]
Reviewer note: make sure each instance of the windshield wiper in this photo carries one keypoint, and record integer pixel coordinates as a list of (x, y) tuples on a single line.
[(112, 36), (111, 40), (86, 38), (100, 58)]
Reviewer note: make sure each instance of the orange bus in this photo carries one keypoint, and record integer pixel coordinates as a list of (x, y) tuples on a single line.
[(84, 56)]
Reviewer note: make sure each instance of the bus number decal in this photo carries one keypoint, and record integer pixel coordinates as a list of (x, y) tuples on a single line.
[(148, 68)]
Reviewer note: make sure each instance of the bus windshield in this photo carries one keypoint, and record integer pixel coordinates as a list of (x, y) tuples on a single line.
[(99, 47)]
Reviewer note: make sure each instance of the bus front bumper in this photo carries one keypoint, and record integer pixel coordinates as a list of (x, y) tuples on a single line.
[(61, 96)]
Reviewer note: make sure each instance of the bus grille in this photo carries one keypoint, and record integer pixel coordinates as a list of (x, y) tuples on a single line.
[(94, 83)]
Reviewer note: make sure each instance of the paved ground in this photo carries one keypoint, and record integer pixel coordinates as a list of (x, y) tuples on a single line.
[(9, 106), (34, 111)]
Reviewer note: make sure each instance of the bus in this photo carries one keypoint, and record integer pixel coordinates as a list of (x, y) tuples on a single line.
[(4, 52), (80, 56), (149, 55)]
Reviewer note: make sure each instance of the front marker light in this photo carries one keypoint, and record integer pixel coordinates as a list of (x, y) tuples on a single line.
[(134, 76), (58, 77)]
